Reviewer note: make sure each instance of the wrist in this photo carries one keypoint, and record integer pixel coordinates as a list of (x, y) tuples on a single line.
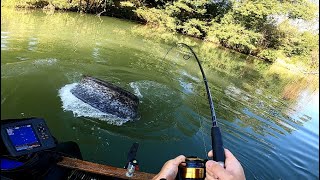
[(160, 177), (163, 177)]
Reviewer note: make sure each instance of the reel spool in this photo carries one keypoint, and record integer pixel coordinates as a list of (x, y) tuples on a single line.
[(194, 168)]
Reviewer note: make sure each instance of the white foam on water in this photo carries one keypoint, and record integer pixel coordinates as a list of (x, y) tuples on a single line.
[(95, 52), (32, 43), (136, 90), (81, 109), (232, 91), (154, 93), (48, 61), (4, 42), (190, 76), (187, 87), (22, 58)]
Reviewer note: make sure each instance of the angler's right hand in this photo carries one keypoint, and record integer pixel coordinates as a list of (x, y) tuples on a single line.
[(232, 171)]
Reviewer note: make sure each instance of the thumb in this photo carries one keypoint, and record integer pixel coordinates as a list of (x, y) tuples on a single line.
[(215, 168), (179, 159)]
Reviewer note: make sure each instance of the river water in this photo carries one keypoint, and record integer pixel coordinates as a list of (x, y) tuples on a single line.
[(268, 120)]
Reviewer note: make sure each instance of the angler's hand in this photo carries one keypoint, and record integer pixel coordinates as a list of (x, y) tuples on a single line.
[(169, 170), (232, 171)]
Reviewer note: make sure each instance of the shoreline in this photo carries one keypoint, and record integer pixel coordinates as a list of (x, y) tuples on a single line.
[(292, 67)]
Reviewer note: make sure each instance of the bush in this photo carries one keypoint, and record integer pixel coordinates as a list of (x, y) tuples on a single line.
[(156, 18), (195, 27), (269, 54), (296, 43), (235, 36)]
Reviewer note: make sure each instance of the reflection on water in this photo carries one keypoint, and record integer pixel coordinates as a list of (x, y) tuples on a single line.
[(268, 115), (4, 41), (32, 45), (45, 62)]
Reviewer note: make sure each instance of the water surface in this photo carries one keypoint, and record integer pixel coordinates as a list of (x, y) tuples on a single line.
[(271, 126)]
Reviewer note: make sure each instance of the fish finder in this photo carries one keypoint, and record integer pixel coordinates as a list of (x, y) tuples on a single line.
[(25, 136)]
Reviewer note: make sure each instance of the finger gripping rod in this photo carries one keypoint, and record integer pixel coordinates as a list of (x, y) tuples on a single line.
[(216, 138)]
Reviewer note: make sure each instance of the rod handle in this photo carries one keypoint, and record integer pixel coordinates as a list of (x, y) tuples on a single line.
[(217, 146)]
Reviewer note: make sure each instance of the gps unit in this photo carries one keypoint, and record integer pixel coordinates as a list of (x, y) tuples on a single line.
[(25, 136)]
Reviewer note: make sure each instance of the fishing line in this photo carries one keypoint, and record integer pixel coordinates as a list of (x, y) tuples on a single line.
[(216, 138), (202, 130), (186, 56)]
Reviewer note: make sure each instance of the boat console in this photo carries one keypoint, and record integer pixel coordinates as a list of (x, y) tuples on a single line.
[(25, 136), (29, 151)]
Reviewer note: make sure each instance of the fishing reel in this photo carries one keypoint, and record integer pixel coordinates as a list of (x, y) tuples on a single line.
[(193, 168)]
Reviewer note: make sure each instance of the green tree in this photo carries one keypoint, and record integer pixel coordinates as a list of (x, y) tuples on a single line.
[(257, 27), (256, 30)]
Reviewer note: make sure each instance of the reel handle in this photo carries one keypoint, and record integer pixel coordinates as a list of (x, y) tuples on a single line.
[(217, 146)]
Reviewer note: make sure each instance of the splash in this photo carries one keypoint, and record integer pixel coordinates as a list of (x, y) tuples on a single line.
[(136, 90), (48, 61), (153, 91), (187, 87), (184, 73), (81, 109)]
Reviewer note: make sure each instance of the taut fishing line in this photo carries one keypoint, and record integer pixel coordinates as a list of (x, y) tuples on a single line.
[(186, 56), (194, 167)]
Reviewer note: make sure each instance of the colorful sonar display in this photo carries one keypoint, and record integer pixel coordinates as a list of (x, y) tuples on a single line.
[(23, 137)]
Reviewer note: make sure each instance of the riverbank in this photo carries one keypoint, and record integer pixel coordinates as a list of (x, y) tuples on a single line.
[(219, 23)]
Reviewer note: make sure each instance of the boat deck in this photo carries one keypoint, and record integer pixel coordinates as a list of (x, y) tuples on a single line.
[(101, 170)]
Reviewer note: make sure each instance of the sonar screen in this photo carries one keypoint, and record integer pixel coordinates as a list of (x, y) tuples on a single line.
[(23, 137)]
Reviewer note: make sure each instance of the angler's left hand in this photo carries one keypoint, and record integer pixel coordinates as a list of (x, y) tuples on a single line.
[(169, 170)]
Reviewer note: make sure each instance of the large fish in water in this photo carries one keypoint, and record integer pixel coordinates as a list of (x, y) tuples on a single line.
[(107, 97)]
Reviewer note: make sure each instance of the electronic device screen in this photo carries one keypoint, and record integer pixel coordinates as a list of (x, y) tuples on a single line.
[(23, 137)]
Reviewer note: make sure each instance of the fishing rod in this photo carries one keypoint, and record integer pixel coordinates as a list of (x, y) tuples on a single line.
[(217, 145), (216, 138)]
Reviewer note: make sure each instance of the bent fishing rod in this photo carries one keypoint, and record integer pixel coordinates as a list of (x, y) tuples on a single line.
[(216, 138)]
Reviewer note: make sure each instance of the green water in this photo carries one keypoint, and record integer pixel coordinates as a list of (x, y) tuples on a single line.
[(273, 137)]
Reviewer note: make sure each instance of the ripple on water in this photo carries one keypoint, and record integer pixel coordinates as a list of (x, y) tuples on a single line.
[(73, 76), (4, 40), (187, 86), (184, 73), (153, 91), (25, 66), (163, 115), (265, 110), (32, 44), (46, 62), (267, 131), (135, 87)]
